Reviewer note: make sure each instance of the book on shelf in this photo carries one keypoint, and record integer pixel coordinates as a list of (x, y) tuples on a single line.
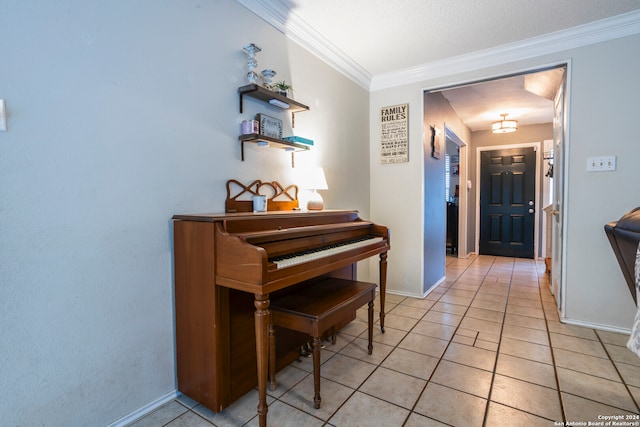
[(298, 139)]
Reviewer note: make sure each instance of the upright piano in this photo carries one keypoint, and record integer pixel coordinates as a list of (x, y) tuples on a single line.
[(226, 268)]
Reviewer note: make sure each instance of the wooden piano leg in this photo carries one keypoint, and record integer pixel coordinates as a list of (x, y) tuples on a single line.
[(316, 373), (383, 287), (262, 319), (272, 357), (370, 314)]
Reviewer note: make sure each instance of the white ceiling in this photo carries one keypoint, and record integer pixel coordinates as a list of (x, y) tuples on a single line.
[(388, 35), (382, 37), (479, 105)]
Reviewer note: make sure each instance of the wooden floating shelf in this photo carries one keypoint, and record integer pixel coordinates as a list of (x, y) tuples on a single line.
[(273, 143), (265, 95)]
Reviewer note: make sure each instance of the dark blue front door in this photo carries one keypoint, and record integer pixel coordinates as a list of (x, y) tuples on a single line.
[(507, 196)]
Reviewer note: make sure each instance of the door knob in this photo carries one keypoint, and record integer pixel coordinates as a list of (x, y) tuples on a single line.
[(555, 212), (531, 211)]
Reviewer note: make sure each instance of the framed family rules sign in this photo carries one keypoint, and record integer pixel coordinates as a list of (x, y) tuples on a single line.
[(394, 134)]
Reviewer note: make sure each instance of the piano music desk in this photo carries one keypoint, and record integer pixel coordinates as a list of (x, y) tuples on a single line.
[(225, 276)]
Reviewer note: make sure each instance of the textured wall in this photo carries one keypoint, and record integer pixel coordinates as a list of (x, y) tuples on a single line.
[(122, 114)]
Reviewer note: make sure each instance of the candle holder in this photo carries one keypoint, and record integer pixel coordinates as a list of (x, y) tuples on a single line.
[(251, 49)]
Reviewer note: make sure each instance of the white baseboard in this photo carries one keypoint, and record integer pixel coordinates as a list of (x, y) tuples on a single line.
[(413, 295), (403, 294), (146, 409), (595, 326)]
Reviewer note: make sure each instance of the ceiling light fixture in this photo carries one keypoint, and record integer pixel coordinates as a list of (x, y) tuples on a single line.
[(504, 125)]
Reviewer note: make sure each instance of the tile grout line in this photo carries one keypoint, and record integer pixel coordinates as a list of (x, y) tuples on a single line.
[(497, 354), (626, 386), (495, 363), (553, 358), (441, 357)]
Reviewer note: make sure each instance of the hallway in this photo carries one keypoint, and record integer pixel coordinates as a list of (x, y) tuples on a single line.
[(485, 348)]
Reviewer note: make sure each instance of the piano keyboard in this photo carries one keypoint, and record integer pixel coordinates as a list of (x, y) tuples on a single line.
[(313, 254)]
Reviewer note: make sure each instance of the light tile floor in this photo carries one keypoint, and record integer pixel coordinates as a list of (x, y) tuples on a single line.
[(485, 348)]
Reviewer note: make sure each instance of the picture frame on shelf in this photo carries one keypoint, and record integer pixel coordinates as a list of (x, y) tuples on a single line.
[(269, 126)]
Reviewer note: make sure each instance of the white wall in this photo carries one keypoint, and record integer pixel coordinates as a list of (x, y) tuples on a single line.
[(417, 256), (602, 109), (396, 191), (603, 115), (122, 114)]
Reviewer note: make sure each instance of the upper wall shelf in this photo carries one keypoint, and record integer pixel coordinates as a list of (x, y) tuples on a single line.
[(265, 95), (269, 97)]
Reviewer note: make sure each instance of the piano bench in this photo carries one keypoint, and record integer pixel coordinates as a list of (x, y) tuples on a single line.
[(316, 309)]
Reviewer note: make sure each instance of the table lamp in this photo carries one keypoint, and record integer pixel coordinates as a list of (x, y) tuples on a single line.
[(314, 179)]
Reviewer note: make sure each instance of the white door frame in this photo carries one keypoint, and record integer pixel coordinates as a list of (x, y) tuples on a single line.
[(560, 205), (463, 202)]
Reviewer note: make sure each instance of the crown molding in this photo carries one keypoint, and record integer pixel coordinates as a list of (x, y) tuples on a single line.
[(280, 17), (584, 35)]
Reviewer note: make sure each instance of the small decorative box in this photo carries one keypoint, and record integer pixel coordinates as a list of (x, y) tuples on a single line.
[(249, 127)]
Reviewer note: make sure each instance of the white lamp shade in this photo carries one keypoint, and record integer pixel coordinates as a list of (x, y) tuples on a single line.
[(312, 179)]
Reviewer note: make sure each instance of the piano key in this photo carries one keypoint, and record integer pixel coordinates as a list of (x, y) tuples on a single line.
[(325, 248), (310, 255)]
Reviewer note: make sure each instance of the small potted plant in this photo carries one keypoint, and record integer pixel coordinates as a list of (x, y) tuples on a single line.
[(282, 88)]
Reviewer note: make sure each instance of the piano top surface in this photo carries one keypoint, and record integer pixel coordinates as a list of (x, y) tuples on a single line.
[(213, 217), (249, 238)]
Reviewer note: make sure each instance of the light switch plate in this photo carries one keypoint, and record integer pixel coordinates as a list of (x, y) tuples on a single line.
[(3, 116), (601, 164)]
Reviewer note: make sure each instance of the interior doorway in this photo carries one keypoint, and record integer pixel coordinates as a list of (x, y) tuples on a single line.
[(456, 197), (526, 96)]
